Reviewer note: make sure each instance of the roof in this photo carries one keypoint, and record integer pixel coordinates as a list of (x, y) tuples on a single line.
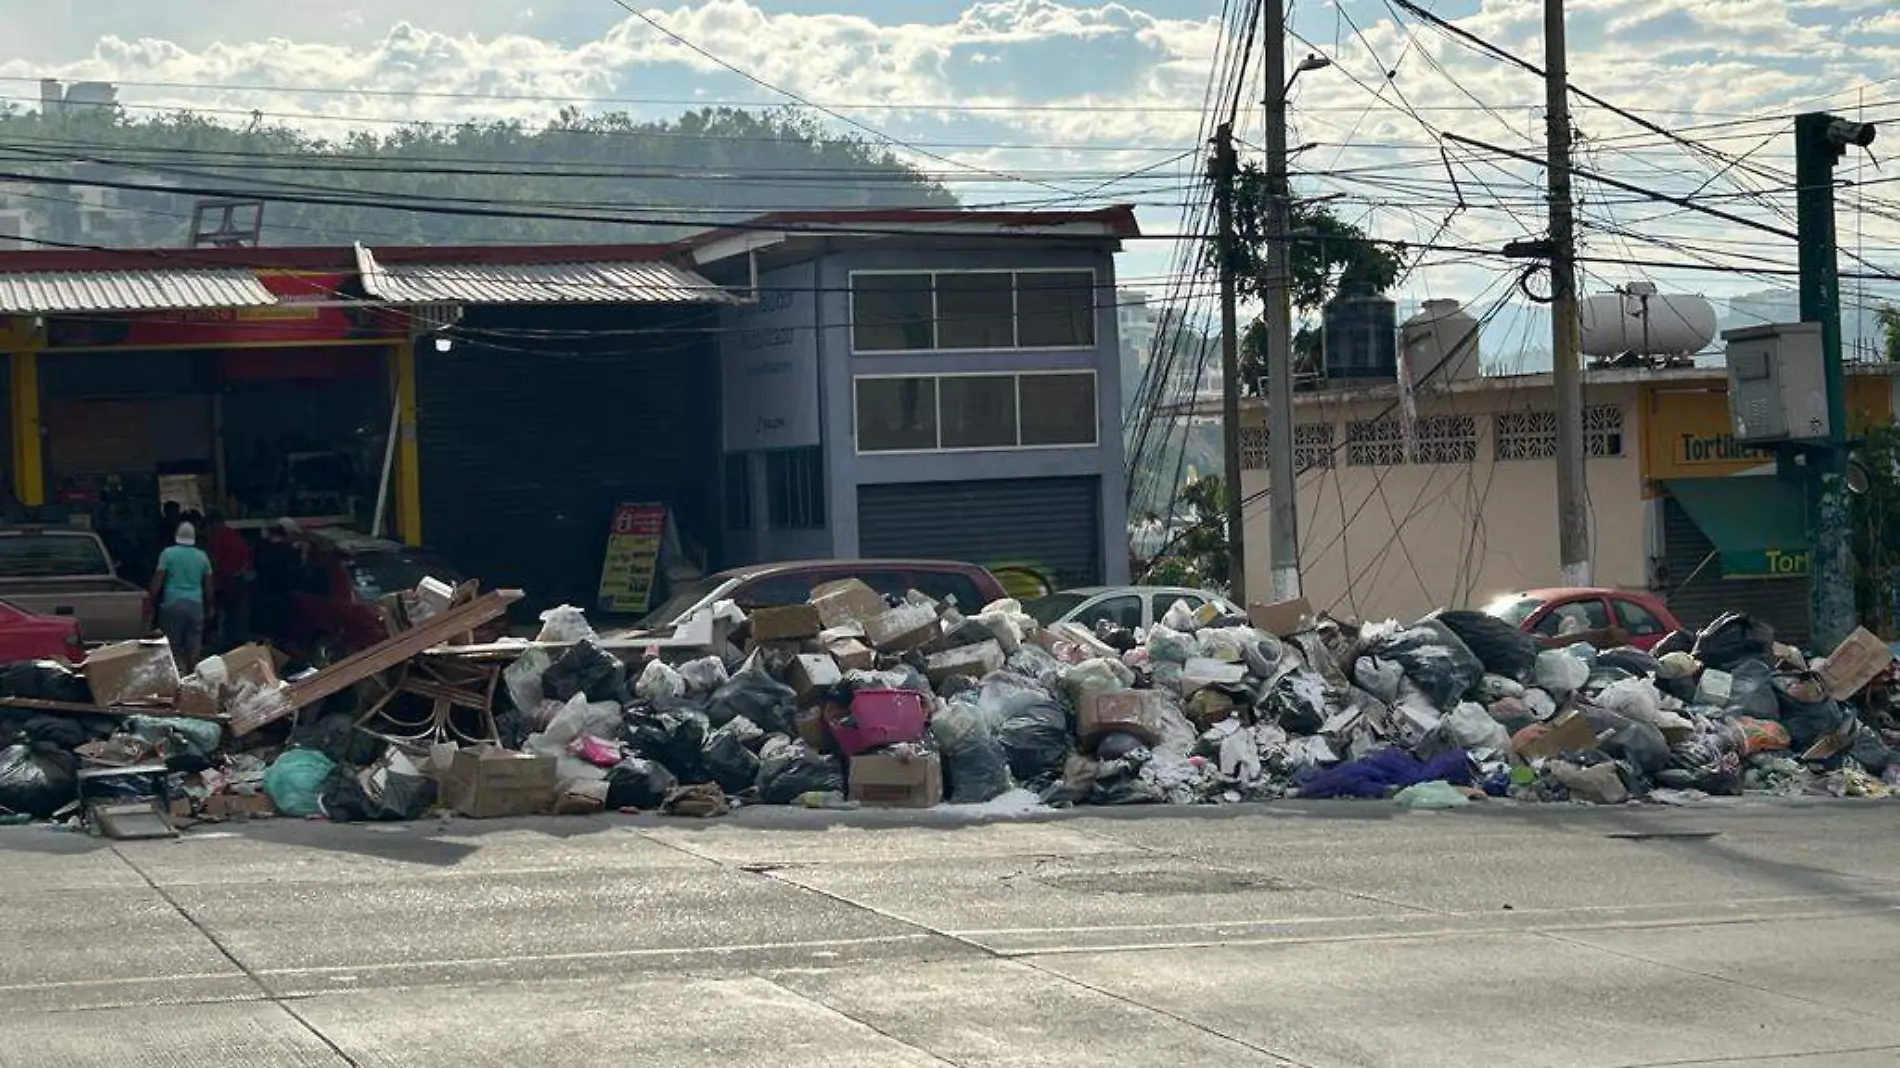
[(1103, 224), (598, 281), (66, 292)]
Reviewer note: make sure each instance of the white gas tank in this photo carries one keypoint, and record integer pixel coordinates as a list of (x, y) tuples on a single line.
[(1643, 322)]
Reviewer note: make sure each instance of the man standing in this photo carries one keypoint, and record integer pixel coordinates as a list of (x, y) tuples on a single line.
[(232, 578), (181, 588)]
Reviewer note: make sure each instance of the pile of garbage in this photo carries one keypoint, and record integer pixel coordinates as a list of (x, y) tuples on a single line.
[(854, 698)]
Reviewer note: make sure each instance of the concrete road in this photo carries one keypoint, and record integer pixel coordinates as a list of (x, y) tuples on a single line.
[(1311, 935)]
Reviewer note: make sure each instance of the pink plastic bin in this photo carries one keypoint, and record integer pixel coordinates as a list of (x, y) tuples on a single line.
[(877, 717)]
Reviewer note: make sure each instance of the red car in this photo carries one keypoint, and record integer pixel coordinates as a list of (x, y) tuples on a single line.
[(334, 609), (1545, 612), (27, 636)]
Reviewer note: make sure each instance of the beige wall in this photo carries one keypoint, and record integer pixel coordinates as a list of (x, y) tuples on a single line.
[(1419, 537)]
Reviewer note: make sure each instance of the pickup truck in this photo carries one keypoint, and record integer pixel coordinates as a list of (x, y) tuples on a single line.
[(56, 572)]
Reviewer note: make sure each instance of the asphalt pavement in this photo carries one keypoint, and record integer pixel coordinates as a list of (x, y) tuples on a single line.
[(1754, 934)]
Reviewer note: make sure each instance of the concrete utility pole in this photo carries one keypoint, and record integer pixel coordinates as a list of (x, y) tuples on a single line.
[(1573, 520), (1283, 495), (1820, 140), (1222, 169)]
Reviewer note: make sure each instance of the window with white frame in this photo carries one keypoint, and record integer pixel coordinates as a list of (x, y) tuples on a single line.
[(1445, 439), (1524, 435), (947, 413), (972, 311), (1375, 443)]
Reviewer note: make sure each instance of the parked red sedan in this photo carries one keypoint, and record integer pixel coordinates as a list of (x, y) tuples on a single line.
[(26, 635), (1547, 612)]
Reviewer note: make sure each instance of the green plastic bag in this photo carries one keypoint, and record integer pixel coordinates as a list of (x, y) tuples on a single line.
[(1436, 794), (296, 780)]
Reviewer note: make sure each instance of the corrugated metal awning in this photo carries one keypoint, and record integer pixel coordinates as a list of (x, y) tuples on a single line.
[(68, 292), (604, 282)]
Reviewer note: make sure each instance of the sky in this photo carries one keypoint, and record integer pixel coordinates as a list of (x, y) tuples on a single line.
[(1086, 103)]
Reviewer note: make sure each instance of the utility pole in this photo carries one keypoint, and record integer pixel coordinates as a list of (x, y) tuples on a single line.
[(1573, 521), (1222, 169), (1820, 140), (1282, 493)]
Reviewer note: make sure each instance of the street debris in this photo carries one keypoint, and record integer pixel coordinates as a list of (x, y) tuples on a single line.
[(855, 699)]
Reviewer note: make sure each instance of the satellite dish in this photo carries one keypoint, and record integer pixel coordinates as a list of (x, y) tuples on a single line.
[(1858, 480)]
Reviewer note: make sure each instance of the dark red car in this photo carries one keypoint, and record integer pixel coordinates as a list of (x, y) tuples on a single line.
[(1545, 612), (791, 582), (334, 608), (27, 636)]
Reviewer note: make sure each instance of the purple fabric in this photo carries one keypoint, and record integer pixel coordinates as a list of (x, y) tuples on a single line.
[(1384, 771)]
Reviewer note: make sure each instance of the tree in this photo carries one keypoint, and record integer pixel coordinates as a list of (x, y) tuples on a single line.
[(1888, 316), (704, 167), (1877, 520), (1329, 255), (1196, 554)]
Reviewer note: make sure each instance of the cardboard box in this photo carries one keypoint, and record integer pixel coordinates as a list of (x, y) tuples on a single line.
[(846, 601), (485, 782), (133, 673), (811, 674), (238, 807), (1283, 619), (1569, 732), (1854, 663), (974, 661), (812, 730), (900, 629), (785, 623), (1136, 712), (197, 698), (256, 664), (852, 654), (900, 779)]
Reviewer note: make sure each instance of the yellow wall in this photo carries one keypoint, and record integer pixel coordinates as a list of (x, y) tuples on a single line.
[(21, 345), (1686, 432)]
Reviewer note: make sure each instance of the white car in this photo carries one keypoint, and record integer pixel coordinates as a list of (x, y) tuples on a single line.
[(1133, 607)]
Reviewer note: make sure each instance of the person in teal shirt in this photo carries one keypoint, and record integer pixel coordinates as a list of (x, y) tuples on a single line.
[(181, 588)]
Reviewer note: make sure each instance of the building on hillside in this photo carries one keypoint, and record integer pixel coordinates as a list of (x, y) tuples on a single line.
[(925, 384), (1401, 517), (851, 383)]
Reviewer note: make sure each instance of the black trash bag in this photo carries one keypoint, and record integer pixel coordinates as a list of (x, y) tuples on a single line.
[(1035, 739), (44, 680), (1807, 711), (511, 727), (1676, 641), (1121, 745), (965, 633), (336, 737), (56, 731), (975, 767), (403, 798), (1733, 638), (1638, 744), (37, 780), (637, 782), (1752, 691), (1635, 662), (1706, 762), (789, 770), (1868, 750), (342, 799), (674, 740), (589, 669), (1501, 648), (1114, 635), (753, 693), (1437, 661), (1119, 782), (728, 761), (1297, 702)]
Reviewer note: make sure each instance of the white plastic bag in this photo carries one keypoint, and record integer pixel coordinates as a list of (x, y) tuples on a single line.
[(1472, 729), (1638, 699), (523, 679), (1225, 644), (704, 675), (1169, 645), (1180, 617), (1559, 674), (565, 624), (659, 681)]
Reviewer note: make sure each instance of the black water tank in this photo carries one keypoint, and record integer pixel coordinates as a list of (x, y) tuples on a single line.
[(1362, 335)]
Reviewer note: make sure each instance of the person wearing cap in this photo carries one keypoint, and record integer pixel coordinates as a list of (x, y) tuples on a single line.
[(181, 588)]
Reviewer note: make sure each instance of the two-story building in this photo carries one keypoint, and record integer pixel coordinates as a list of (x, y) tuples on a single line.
[(924, 383)]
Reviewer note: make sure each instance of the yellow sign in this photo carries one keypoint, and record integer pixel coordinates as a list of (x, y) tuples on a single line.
[(633, 558), (1687, 433)]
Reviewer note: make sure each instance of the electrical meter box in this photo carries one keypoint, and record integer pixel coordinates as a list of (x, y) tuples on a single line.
[(1777, 385)]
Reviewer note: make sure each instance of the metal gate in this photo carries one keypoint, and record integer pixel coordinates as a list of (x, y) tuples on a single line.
[(1054, 524), (1697, 592)]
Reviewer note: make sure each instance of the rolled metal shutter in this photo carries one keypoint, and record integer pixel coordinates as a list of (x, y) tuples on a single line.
[(1053, 523), (1781, 603)]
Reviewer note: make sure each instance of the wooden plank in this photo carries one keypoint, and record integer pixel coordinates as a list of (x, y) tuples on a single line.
[(384, 655), (71, 708)]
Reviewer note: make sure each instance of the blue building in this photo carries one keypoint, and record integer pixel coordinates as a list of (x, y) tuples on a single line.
[(923, 384)]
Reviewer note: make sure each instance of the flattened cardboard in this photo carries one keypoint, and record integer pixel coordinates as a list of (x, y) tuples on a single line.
[(1136, 712), (132, 673), (812, 673), (1854, 663), (781, 623), (1568, 733), (846, 601), (1283, 619), (974, 661), (852, 654), (902, 629), (197, 698), (254, 663), (893, 780)]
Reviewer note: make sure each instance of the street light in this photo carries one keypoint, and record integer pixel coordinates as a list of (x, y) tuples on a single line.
[(1313, 61)]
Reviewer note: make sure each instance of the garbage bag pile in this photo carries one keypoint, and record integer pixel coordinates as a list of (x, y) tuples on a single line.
[(857, 699)]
